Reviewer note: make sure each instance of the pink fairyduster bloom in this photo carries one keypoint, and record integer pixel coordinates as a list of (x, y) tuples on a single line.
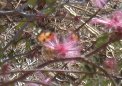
[(99, 3), (115, 22), (110, 64), (65, 46)]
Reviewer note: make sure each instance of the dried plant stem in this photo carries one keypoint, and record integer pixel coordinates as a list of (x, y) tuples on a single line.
[(88, 20), (59, 60), (60, 70)]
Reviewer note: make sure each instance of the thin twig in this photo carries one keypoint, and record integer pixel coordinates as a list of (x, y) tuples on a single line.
[(59, 60), (11, 12), (60, 70), (88, 20)]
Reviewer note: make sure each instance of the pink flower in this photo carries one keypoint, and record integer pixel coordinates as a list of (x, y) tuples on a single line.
[(64, 46), (99, 3), (47, 80), (110, 63), (115, 22)]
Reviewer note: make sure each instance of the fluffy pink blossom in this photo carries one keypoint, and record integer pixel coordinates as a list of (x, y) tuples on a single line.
[(99, 3), (114, 22), (64, 46), (110, 63)]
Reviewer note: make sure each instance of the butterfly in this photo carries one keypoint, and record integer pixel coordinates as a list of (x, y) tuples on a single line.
[(44, 37), (62, 45)]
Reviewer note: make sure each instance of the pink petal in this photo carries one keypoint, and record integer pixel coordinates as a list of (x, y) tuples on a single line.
[(99, 3), (47, 81), (70, 54), (99, 20), (114, 22), (49, 44)]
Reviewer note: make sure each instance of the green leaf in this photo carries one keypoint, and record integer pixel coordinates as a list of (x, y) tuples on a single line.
[(50, 2), (20, 24), (97, 81), (48, 10), (89, 68), (98, 59), (101, 40), (1, 55), (28, 45), (32, 3), (89, 83)]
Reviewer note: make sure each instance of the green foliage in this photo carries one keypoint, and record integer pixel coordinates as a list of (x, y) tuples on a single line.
[(1, 55), (102, 40), (21, 23), (98, 59), (32, 3), (89, 68), (50, 2), (48, 10), (96, 81), (28, 45)]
